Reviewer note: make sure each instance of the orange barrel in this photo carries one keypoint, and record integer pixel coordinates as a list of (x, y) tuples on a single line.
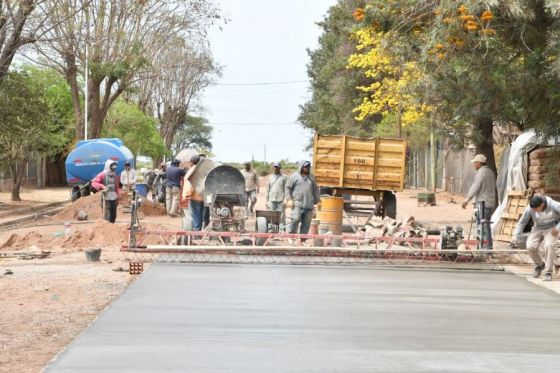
[(330, 217)]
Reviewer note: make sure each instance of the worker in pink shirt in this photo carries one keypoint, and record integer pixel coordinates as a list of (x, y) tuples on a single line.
[(107, 182)]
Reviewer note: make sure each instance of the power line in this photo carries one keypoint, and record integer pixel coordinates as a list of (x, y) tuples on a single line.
[(264, 83)]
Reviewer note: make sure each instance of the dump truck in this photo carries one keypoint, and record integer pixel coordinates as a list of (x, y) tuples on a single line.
[(346, 165)]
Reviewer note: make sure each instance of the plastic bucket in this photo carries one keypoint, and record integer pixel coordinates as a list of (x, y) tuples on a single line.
[(93, 255)]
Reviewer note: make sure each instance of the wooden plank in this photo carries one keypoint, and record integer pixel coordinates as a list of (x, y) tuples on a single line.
[(503, 238), (342, 162)]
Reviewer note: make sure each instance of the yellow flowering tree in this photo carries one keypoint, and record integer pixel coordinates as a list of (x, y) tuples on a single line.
[(393, 82)]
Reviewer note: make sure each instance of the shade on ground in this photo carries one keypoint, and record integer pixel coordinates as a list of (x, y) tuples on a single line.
[(257, 318)]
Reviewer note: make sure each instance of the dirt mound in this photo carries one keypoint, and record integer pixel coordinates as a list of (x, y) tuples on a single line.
[(18, 241), (90, 204), (101, 233), (150, 209)]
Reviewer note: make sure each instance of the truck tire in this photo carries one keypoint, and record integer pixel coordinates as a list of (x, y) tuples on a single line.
[(389, 204), (75, 193), (84, 192), (262, 227)]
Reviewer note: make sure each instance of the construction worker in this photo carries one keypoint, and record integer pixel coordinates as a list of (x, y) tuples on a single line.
[(545, 213), (160, 184), (276, 191), (107, 182), (251, 186), (149, 178), (302, 194), (174, 175), (128, 177), (483, 190), (196, 201)]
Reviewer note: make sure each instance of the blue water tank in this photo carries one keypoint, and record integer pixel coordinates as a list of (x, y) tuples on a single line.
[(89, 157)]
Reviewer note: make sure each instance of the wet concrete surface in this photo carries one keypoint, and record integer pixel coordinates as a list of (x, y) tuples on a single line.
[(260, 318)]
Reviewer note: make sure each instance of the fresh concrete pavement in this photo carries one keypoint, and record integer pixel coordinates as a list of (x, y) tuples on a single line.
[(287, 318)]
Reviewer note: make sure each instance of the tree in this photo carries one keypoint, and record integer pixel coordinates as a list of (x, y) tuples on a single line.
[(25, 128), (122, 37), (333, 85), (137, 130), (484, 62), (184, 71), (18, 22), (392, 82), (193, 133)]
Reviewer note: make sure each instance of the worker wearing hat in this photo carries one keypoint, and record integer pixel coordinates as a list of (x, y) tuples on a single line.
[(483, 189), (251, 186), (128, 177), (545, 213), (275, 191)]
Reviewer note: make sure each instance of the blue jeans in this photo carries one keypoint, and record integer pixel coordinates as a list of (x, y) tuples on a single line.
[(197, 214), (303, 216)]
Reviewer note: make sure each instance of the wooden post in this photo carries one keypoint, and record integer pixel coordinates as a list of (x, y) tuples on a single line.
[(433, 158)]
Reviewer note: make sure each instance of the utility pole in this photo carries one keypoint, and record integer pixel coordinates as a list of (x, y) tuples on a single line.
[(264, 153), (86, 77)]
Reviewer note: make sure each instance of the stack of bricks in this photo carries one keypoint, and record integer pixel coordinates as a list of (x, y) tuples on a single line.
[(544, 171)]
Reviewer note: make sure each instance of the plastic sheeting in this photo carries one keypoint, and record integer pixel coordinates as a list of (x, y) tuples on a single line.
[(501, 182), (517, 168)]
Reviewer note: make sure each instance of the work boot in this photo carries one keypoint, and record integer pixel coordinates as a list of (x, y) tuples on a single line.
[(537, 271), (547, 276)]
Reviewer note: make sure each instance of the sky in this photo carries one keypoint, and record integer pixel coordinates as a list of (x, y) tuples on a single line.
[(264, 42)]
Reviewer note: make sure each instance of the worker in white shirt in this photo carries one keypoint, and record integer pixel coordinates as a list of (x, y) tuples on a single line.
[(128, 177)]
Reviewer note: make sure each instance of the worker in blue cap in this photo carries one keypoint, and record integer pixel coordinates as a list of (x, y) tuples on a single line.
[(175, 174)]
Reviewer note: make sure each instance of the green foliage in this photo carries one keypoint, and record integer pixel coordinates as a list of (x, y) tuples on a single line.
[(193, 133), (137, 130), (27, 124), (333, 86), (417, 135), (60, 114), (265, 168)]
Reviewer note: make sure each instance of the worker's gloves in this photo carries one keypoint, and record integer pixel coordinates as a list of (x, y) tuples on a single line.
[(288, 203), (513, 243)]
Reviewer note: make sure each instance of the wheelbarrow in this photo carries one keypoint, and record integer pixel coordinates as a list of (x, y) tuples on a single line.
[(267, 221)]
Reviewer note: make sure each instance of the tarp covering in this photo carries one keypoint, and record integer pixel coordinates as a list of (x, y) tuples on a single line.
[(517, 168)]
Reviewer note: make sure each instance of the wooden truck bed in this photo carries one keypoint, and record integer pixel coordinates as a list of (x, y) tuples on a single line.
[(358, 163)]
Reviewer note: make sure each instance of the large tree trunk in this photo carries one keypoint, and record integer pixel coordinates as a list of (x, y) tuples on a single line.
[(484, 141), (10, 47), (71, 73), (170, 121), (17, 170), (100, 104)]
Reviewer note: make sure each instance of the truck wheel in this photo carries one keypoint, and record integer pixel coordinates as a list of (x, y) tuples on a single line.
[(262, 227), (389, 204), (85, 192), (75, 193)]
